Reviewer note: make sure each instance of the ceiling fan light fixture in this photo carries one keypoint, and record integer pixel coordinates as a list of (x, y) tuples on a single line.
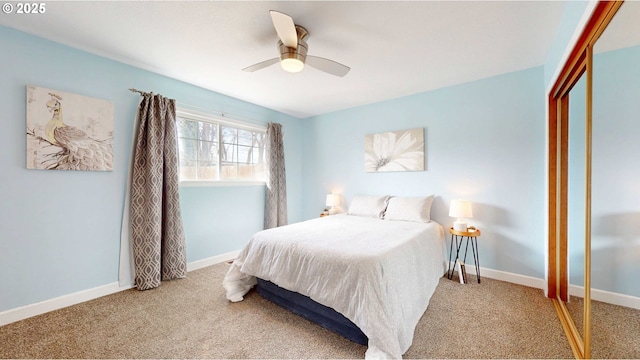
[(292, 60), (292, 65)]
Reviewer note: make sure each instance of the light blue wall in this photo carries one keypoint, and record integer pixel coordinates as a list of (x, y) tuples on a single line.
[(60, 231), (485, 142), (215, 223)]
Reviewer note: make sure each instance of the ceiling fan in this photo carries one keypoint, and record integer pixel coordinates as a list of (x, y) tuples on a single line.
[(293, 49)]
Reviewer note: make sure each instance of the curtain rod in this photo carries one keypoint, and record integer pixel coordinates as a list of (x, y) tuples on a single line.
[(212, 112), (221, 114), (139, 92)]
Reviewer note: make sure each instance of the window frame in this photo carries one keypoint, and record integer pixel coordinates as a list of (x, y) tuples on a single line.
[(220, 121)]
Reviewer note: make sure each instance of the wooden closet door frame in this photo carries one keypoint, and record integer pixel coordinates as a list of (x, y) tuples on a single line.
[(580, 62)]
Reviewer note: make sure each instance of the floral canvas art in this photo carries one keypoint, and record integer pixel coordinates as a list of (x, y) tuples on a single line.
[(68, 131), (394, 151)]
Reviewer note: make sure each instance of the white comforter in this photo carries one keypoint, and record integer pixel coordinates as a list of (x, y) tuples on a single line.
[(380, 274)]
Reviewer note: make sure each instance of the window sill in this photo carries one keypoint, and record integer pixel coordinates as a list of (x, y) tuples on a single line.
[(221, 183)]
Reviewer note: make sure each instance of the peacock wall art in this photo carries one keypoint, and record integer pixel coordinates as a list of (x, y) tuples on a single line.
[(68, 132)]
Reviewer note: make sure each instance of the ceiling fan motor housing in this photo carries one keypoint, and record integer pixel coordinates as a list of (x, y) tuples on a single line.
[(290, 53), (301, 52)]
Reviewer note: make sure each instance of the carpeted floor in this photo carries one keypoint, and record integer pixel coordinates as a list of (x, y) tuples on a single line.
[(615, 330), (190, 318)]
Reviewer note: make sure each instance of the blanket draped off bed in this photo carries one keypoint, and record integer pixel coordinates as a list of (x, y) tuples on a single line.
[(380, 274)]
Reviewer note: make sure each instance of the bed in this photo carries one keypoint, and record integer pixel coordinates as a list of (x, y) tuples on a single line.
[(376, 269)]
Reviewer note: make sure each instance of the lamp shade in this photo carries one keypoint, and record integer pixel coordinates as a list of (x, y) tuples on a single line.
[(460, 209), (333, 200)]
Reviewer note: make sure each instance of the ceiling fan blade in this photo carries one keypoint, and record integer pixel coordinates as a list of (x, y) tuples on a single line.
[(328, 66), (285, 28), (261, 65)]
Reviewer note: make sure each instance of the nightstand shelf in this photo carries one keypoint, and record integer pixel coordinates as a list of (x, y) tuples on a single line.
[(458, 237)]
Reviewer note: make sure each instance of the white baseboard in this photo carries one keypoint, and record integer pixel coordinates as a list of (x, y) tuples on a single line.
[(598, 295), (507, 276), (27, 311), (511, 277), (199, 264), (607, 297)]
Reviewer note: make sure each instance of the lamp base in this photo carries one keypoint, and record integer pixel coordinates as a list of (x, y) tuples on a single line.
[(459, 225), (333, 210)]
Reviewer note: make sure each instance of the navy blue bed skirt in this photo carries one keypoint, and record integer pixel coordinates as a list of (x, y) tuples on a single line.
[(302, 305)]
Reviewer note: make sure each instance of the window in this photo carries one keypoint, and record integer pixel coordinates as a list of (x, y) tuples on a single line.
[(214, 149)]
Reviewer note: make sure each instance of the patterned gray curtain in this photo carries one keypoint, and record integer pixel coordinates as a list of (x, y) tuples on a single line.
[(157, 234), (275, 207)]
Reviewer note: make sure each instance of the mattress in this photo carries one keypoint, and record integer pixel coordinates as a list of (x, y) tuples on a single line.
[(379, 274)]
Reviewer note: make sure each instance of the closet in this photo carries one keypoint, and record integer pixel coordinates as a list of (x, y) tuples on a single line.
[(594, 175)]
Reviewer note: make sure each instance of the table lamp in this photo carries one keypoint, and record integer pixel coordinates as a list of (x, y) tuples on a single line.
[(460, 209), (333, 200)]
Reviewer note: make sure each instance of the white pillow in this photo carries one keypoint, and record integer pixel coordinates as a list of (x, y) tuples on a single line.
[(369, 206), (416, 209)]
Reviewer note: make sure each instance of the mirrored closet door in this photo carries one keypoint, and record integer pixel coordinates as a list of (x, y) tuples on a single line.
[(570, 185), (576, 190), (594, 191), (615, 192)]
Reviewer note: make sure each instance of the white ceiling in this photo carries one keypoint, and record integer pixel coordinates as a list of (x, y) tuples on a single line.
[(394, 48), (623, 31)]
